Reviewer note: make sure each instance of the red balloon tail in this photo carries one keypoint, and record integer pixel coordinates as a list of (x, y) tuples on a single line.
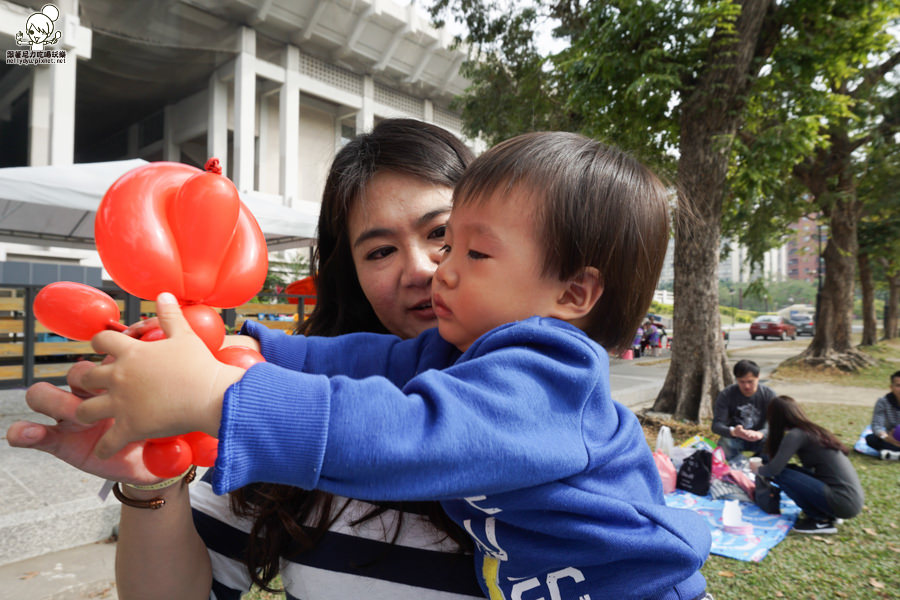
[(213, 166), (116, 326)]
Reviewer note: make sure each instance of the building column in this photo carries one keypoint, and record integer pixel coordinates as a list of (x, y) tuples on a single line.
[(171, 148), (428, 111), (365, 117), (62, 112), (217, 123), (289, 113), (39, 117), (245, 110)]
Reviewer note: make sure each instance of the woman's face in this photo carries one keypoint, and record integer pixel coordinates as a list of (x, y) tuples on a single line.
[(396, 235)]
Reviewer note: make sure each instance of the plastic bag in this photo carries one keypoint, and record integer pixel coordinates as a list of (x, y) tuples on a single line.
[(664, 441), (666, 469), (720, 466)]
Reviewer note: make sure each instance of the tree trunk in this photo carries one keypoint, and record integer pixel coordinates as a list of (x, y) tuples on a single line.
[(711, 113), (832, 346), (870, 321), (890, 310)]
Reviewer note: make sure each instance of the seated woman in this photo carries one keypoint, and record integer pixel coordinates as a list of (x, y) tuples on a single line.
[(826, 487)]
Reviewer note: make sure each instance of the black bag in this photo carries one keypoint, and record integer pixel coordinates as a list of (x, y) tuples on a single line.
[(695, 473), (767, 496)]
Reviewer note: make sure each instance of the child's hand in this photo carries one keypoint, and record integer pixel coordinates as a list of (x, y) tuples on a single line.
[(156, 389)]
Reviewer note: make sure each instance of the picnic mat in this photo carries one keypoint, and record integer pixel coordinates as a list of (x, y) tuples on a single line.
[(862, 447), (768, 530)]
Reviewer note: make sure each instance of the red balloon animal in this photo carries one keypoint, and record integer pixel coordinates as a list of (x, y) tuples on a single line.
[(169, 227)]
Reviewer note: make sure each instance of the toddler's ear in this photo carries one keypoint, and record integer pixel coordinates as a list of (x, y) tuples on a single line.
[(580, 295)]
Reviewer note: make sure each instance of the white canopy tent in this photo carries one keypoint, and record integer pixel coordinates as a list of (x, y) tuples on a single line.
[(56, 205)]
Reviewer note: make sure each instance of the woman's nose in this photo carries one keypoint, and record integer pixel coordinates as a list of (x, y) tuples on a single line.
[(419, 268)]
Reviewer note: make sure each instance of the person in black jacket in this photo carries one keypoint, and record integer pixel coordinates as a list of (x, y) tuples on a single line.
[(739, 413)]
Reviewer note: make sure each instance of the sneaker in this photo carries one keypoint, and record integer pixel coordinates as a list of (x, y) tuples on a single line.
[(807, 525), (890, 455)]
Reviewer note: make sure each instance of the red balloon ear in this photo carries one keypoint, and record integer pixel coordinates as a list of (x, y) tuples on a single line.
[(244, 266), (203, 215), (206, 323), (132, 233), (75, 310)]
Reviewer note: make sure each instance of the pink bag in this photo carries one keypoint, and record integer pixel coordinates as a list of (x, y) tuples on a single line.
[(720, 466), (666, 469)]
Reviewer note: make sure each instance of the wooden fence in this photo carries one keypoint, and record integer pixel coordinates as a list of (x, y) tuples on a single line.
[(29, 352)]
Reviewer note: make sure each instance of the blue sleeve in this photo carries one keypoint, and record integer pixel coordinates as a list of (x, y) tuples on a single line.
[(356, 355), (508, 415)]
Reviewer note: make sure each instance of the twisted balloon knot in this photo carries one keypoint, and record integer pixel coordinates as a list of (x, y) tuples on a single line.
[(213, 166)]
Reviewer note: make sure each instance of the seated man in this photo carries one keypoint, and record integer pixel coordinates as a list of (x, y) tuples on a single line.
[(885, 419), (739, 414)]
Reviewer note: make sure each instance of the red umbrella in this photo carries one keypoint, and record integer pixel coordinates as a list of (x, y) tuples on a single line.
[(302, 287)]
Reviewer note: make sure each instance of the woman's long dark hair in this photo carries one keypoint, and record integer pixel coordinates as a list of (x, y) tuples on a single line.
[(279, 512), (784, 413)]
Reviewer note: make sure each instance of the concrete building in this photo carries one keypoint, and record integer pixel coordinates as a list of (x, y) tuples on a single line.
[(270, 87), (803, 249)]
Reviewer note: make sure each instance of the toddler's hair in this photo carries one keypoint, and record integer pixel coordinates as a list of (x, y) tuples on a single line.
[(595, 206)]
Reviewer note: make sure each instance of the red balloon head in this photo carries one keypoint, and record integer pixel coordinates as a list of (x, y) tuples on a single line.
[(169, 227)]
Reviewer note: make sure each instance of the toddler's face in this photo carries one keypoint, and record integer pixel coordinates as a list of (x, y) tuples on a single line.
[(490, 273)]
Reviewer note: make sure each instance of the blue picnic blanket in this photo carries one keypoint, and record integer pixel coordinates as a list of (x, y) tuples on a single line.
[(768, 530), (862, 447)]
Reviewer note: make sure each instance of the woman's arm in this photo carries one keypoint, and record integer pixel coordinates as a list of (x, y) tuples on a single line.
[(159, 553), (791, 442)]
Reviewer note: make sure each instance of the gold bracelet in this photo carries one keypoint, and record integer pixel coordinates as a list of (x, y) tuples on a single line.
[(161, 484), (152, 503)]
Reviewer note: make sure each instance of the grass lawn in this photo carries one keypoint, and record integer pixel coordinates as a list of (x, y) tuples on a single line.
[(861, 561)]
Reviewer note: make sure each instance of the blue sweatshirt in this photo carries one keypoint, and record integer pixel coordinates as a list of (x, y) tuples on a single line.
[(517, 436)]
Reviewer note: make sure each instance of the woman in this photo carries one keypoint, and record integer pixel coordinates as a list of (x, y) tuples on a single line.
[(826, 487), (381, 225)]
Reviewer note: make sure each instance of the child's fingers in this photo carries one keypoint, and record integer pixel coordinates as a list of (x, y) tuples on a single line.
[(171, 319), (92, 410), (111, 342), (97, 378)]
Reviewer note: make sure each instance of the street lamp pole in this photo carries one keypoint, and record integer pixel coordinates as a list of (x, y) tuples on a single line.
[(819, 271)]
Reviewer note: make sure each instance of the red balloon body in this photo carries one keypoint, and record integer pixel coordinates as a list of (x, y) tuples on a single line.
[(204, 448), (167, 457), (206, 323), (75, 310), (239, 356)]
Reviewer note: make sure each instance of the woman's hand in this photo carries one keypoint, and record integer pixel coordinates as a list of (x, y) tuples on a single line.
[(71, 441)]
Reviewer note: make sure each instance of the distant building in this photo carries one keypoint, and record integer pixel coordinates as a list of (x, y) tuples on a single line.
[(803, 249)]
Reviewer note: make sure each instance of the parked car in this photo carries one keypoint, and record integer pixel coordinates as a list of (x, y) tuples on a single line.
[(772, 326), (804, 323)]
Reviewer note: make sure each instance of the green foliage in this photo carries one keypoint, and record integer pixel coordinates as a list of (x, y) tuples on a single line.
[(761, 296)]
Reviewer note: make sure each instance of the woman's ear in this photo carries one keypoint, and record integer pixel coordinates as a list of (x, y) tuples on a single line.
[(580, 295)]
